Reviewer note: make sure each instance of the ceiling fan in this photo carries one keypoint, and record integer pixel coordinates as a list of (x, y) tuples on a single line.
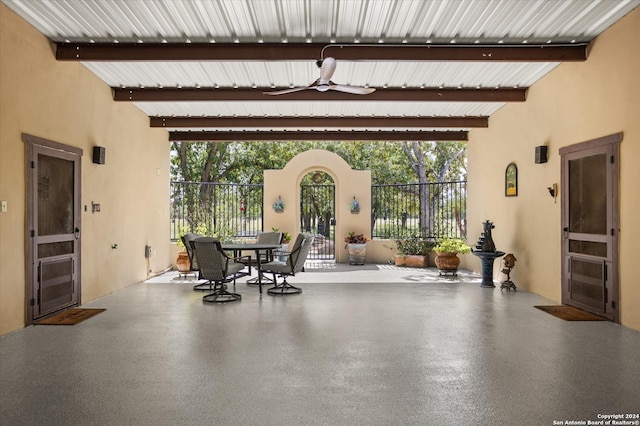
[(327, 67)]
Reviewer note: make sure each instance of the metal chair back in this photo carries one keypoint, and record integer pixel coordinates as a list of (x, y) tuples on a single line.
[(188, 241), (269, 237), (299, 252), (211, 259)]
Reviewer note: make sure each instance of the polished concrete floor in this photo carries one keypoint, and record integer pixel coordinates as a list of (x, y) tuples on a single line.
[(370, 345)]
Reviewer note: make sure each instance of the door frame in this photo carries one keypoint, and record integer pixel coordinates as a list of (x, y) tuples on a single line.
[(612, 262), (33, 145)]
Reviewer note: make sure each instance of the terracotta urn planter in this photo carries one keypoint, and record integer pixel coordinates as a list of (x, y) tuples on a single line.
[(182, 262), (447, 261)]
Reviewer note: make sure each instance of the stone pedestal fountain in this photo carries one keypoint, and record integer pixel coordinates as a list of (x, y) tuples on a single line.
[(486, 250)]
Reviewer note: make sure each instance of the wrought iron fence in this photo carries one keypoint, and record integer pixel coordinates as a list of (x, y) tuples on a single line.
[(223, 209), (235, 210), (317, 215), (432, 210)]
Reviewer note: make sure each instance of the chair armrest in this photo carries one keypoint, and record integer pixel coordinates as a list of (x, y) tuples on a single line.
[(237, 258)]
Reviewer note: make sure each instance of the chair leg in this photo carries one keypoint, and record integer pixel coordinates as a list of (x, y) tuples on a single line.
[(255, 281), (221, 295), (284, 288), (203, 286), (209, 286)]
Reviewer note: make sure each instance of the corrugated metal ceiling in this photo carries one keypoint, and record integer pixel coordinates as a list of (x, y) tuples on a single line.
[(345, 21), (362, 22)]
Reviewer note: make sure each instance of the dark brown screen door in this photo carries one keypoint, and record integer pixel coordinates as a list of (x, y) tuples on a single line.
[(590, 226), (53, 227)]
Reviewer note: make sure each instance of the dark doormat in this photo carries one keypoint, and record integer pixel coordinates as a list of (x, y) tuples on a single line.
[(569, 313), (70, 317)]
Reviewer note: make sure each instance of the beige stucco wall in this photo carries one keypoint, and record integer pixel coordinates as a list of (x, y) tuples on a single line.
[(576, 102), (66, 103), (285, 183)]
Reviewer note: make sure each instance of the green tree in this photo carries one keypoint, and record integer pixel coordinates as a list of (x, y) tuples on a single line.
[(205, 163), (385, 159), (435, 162), (389, 162)]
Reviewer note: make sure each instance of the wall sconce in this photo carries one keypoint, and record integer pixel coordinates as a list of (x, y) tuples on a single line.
[(355, 206), (553, 191), (278, 206), (99, 154), (541, 154)]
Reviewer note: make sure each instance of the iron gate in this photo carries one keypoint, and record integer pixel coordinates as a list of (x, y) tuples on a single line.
[(317, 216)]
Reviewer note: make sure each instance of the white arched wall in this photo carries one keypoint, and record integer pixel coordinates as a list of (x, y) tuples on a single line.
[(285, 184)]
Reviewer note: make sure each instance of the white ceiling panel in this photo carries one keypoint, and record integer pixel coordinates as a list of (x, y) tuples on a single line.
[(290, 74), (368, 23), (351, 21), (319, 109)]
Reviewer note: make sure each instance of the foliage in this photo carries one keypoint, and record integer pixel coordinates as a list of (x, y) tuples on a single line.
[(390, 162), (245, 161), (385, 159), (223, 233), (413, 243), (436, 162), (286, 237), (353, 238), (452, 245), (182, 230)]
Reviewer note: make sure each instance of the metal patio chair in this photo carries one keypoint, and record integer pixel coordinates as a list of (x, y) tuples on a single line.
[(187, 241), (294, 263), (218, 269), (270, 237)]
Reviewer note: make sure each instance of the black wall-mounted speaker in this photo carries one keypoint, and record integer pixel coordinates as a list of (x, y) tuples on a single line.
[(98, 154), (541, 154)]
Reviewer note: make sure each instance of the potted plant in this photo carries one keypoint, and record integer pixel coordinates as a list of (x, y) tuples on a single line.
[(182, 262), (447, 251), (357, 246), (284, 243), (413, 250)]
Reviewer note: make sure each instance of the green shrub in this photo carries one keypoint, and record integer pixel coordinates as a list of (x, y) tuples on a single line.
[(452, 245), (414, 244)]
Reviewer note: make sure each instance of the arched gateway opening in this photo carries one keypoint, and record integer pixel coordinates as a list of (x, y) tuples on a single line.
[(317, 213), (287, 184)]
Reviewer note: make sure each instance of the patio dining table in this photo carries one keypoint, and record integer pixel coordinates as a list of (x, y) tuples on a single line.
[(257, 248)]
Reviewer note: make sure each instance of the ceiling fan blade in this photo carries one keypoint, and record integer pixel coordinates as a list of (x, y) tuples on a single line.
[(324, 83), (327, 69), (285, 91), (355, 90)]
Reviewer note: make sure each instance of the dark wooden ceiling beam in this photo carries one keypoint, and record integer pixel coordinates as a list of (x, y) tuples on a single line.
[(131, 94), (312, 51), (320, 122), (205, 136)]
